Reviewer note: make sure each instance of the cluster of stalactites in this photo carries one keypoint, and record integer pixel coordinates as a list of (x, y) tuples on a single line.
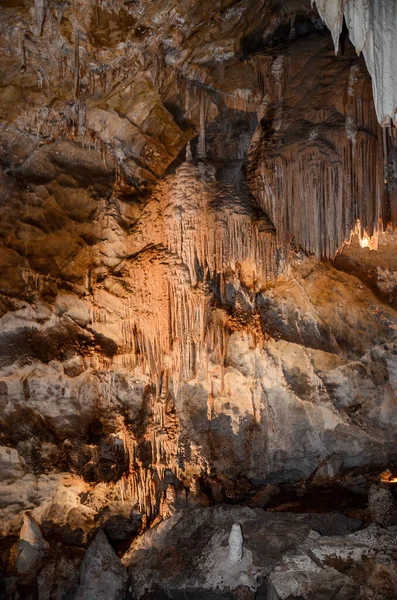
[(213, 230), (372, 26), (317, 202), (219, 240), (196, 238), (325, 182), (143, 482)]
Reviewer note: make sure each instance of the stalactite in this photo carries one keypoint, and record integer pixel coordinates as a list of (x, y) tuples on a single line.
[(371, 27), (322, 182), (201, 146), (40, 12), (77, 63)]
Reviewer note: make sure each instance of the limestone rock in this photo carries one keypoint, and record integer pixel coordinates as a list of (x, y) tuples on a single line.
[(329, 469), (59, 575), (347, 565), (11, 465), (201, 562), (262, 497), (300, 577), (102, 576), (30, 550), (382, 505), (243, 593)]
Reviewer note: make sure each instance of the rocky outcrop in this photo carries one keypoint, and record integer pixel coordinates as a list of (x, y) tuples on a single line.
[(285, 556), (102, 575), (30, 550), (164, 561), (359, 565)]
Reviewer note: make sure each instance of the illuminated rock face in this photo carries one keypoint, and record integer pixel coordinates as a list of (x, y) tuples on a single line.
[(165, 342)]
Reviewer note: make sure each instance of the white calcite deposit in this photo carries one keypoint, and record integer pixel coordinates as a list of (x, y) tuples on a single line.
[(235, 544), (372, 29)]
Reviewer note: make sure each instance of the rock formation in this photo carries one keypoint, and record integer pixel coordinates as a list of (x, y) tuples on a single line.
[(101, 573), (371, 28), (198, 294), (235, 544)]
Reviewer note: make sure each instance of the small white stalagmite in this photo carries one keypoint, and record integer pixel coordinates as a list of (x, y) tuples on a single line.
[(235, 544)]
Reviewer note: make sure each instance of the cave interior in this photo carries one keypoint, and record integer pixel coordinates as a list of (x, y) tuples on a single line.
[(198, 299)]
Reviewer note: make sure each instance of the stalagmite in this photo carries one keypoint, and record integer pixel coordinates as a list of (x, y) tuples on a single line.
[(235, 544)]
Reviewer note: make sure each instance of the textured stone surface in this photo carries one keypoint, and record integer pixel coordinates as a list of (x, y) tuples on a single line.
[(382, 505), (101, 576), (359, 565), (166, 561)]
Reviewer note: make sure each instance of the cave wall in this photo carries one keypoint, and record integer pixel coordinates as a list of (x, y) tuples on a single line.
[(171, 178)]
